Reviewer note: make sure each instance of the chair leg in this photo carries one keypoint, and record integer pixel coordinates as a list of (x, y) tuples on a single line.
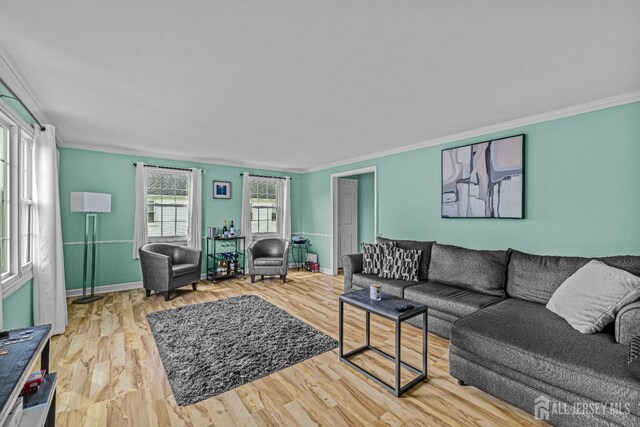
[(261, 277), (253, 278), (195, 286), (284, 278), (167, 296), (148, 292)]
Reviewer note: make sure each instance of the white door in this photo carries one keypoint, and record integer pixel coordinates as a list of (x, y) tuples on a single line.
[(347, 218)]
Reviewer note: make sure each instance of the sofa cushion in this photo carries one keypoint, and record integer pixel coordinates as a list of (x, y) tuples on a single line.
[(526, 337), (536, 277), (592, 296), (268, 261), (414, 245), (180, 269), (449, 299), (475, 270), (389, 286)]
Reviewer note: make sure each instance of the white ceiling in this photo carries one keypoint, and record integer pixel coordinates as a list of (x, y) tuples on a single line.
[(302, 83)]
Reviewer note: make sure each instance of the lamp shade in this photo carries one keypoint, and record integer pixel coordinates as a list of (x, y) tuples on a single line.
[(90, 202)]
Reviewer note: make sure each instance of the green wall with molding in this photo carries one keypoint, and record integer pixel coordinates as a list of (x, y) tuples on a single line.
[(581, 191), (17, 308), (83, 170), (581, 198)]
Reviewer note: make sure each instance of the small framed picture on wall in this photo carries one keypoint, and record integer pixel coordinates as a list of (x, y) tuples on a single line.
[(221, 189)]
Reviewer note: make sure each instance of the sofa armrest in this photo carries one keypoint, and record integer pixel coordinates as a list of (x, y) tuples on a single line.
[(628, 323), (249, 251), (351, 264), (285, 255), (156, 271)]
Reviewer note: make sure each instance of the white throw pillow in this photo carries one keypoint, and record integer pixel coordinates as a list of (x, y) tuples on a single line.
[(593, 295)]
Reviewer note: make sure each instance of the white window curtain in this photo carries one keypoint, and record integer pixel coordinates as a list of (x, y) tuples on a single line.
[(245, 224), (49, 292), (140, 233), (285, 204), (194, 238)]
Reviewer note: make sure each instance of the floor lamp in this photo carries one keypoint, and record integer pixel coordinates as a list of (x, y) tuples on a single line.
[(91, 204)]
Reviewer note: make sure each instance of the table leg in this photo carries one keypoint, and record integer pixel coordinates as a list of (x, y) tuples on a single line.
[(424, 345), (51, 415), (368, 328), (340, 327), (44, 356), (398, 334)]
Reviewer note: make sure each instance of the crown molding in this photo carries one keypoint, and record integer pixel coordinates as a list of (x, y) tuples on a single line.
[(600, 104), (9, 73), (169, 156)]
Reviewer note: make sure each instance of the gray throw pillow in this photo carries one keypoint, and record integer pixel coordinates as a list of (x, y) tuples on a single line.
[(373, 256), (592, 296)]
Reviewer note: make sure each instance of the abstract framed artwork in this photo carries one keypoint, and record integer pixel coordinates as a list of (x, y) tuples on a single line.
[(221, 190), (484, 180)]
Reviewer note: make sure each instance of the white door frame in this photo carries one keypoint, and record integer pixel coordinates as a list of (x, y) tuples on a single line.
[(334, 208)]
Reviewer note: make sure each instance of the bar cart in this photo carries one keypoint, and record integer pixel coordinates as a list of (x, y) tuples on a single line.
[(225, 258)]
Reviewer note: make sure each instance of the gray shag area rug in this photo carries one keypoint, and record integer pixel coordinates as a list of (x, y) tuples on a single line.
[(210, 348)]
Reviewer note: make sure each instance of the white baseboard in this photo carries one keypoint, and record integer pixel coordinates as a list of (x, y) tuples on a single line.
[(107, 288), (138, 285)]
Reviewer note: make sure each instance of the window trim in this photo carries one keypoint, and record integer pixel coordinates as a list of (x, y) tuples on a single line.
[(26, 202), (18, 274)]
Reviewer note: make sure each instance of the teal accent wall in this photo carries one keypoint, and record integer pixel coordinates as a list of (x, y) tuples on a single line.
[(581, 196), (366, 208), (581, 191), (83, 170), (17, 308)]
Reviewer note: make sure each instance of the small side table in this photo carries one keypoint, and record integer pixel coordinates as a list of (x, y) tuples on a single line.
[(384, 308), (299, 253)]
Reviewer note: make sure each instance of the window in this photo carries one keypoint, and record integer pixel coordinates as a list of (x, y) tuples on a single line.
[(16, 200), (264, 205), (167, 204)]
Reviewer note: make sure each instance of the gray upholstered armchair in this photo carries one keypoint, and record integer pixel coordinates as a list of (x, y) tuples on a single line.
[(268, 257), (167, 267)]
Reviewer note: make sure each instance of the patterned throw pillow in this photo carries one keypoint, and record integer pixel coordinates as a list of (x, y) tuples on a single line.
[(373, 256), (401, 264)]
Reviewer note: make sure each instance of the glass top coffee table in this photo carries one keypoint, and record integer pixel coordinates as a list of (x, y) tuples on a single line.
[(386, 308)]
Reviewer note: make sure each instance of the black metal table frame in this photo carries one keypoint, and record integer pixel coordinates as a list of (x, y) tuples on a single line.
[(398, 390)]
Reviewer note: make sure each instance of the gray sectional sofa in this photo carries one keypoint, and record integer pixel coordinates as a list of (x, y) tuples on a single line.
[(503, 340)]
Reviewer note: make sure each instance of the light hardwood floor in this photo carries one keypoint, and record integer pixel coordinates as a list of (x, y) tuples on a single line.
[(110, 373)]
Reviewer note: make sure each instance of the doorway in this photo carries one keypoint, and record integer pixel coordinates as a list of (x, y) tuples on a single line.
[(354, 218)]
